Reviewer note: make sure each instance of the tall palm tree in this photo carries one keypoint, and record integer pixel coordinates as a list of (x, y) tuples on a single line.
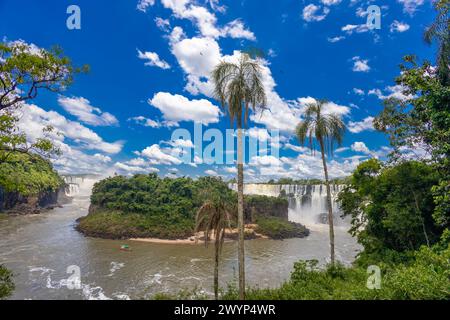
[(213, 218), (440, 30), (239, 88), (327, 130)]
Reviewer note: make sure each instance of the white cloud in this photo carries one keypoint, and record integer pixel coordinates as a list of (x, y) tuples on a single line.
[(143, 121), (181, 143), (261, 134), (311, 13), (211, 172), (364, 125), (157, 156), (144, 4), (153, 59), (396, 92), (296, 148), (206, 21), (361, 12), (360, 65), (398, 26), (127, 168), (359, 92), (330, 2), (232, 170), (335, 39), (177, 108), (163, 24), (359, 146), (82, 109), (35, 118), (411, 6), (265, 161), (328, 108), (236, 29), (102, 158), (358, 28)]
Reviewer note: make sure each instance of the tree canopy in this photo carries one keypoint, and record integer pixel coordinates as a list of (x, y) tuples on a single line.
[(26, 69)]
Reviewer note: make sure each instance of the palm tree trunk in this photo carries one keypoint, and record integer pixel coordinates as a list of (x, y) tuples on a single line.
[(216, 269), (330, 207), (240, 167)]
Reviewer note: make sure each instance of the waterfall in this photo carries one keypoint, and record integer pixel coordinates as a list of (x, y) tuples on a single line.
[(79, 185), (71, 189), (307, 203)]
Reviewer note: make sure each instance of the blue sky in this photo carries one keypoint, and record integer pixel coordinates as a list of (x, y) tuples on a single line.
[(150, 62)]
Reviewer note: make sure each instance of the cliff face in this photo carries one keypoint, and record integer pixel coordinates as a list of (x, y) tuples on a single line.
[(15, 203), (262, 206)]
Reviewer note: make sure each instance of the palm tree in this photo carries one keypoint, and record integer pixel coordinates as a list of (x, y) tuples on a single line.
[(239, 88), (327, 130), (213, 218), (440, 30)]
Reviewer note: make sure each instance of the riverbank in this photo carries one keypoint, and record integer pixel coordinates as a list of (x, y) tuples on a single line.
[(199, 238)]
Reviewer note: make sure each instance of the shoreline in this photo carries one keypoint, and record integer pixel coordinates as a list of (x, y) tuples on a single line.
[(230, 236)]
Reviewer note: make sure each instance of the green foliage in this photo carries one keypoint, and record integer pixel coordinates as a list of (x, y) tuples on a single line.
[(6, 283), (12, 140), (424, 120), (391, 207), (26, 69), (426, 277), (112, 224), (28, 174), (278, 228), (328, 129), (150, 206), (239, 86)]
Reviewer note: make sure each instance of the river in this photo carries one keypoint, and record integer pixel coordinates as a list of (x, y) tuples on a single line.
[(39, 249)]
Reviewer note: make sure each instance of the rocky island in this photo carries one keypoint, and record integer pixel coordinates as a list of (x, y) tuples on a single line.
[(148, 207)]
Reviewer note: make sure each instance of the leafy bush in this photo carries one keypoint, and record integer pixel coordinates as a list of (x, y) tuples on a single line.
[(6, 283), (278, 228), (28, 175), (427, 276), (391, 207)]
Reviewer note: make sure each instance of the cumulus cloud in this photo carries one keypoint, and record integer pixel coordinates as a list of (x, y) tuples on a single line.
[(144, 4), (156, 155), (236, 29), (364, 125), (360, 65), (398, 26), (153, 59), (177, 108), (395, 92), (360, 146), (35, 118), (314, 13), (206, 21), (83, 111)]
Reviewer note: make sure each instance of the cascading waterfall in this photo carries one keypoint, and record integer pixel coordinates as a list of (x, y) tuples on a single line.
[(307, 203), (79, 185), (71, 189)]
